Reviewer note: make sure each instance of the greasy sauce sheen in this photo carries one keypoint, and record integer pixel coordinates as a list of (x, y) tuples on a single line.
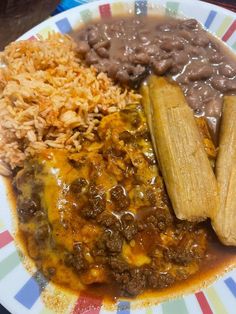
[(100, 219)]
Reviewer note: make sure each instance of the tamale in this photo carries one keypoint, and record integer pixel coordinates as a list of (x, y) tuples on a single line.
[(224, 221), (186, 170)]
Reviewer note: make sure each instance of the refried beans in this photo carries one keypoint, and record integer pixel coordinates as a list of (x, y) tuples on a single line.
[(128, 49)]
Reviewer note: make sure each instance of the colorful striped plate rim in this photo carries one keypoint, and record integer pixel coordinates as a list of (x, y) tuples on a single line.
[(22, 291)]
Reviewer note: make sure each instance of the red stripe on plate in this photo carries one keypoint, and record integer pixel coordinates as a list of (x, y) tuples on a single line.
[(32, 38), (105, 10), (5, 238), (205, 307), (230, 31), (87, 305)]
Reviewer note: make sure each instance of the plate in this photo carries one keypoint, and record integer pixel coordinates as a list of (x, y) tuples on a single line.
[(23, 289)]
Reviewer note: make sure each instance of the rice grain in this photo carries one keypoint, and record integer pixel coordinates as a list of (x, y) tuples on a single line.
[(48, 98)]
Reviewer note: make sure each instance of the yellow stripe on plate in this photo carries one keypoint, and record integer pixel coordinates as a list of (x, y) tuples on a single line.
[(117, 8), (47, 311), (215, 301), (224, 25), (1, 224)]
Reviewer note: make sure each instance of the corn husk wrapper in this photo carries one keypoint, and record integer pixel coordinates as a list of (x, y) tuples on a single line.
[(188, 176), (224, 221)]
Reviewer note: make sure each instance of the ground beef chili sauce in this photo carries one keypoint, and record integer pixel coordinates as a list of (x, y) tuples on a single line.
[(128, 49), (137, 211)]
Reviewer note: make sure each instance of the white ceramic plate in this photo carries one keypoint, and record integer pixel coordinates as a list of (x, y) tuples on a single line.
[(23, 291)]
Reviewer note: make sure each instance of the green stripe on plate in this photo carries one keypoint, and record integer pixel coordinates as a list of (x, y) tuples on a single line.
[(172, 8), (149, 311), (43, 33), (224, 25), (86, 15), (215, 301), (234, 46), (8, 264), (175, 306)]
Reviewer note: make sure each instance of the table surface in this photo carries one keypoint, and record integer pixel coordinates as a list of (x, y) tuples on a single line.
[(229, 4)]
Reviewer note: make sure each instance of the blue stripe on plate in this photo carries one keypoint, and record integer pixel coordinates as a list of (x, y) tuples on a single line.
[(64, 26), (210, 18), (123, 307), (141, 7), (31, 290), (231, 284)]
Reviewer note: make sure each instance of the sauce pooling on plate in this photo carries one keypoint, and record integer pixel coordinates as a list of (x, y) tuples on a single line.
[(101, 219)]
